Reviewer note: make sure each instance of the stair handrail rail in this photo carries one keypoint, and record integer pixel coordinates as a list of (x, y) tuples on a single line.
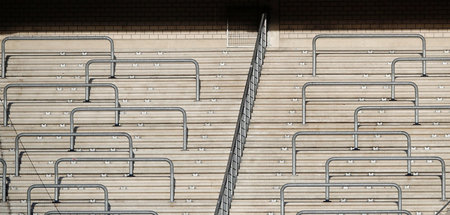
[(442, 177), (285, 186), (34, 186), (6, 108), (118, 109), (72, 147), (307, 84), (354, 133), (169, 161), (230, 176), (353, 212), (115, 61), (403, 59), (111, 42), (101, 212), (342, 36), (4, 172)]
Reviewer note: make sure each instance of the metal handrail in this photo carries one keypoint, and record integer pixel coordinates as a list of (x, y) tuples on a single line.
[(5, 93), (183, 112), (101, 212), (306, 85), (354, 212), (423, 59), (111, 42), (113, 75), (172, 178), (29, 205), (282, 203), (72, 147), (314, 45), (354, 133), (416, 108), (243, 121), (443, 207), (443, 182), (4, 167)]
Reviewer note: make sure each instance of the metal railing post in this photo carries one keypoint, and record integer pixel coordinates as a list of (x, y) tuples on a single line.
[(4, 169), (113, 75), (111, 42), (307, 84), (348, 36), (429, 107), (18, 85), (34, 186), (284, 187), (403, 59), (179, 109), (443, 172), (172, 178), (303, 133), (72, 147)]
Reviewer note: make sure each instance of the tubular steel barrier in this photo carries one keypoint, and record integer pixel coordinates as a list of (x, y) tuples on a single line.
[(327, 168), (423, 59), (56, 38), (29, 205), (172, 178), (354, 212), (243, 121), (5, 93), (101, 212), (72, 147), (185, 129), (4, 167), (342, 36), (306, 85), (354, 133), (416, 108), (284, 187), (442, 209), (113, 75)]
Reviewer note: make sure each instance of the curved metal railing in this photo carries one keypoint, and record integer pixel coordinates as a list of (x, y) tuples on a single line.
[(111, 42)]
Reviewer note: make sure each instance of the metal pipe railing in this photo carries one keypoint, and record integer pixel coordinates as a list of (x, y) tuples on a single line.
[(5, 93), (284, 187), (183, 112), (327, 168), (443, 208), (423, 59), (113, 75), (306, 85), (342, 36), (354, 133), (72, 147), (243, 121), (101, 212), (34, 186), (172, 178), (354, 212), (416, 108), (111, 42), (4, 168)]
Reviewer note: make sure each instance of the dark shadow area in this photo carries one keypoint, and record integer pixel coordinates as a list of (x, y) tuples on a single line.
[(357, 15), (204, 15), (118, 15)]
